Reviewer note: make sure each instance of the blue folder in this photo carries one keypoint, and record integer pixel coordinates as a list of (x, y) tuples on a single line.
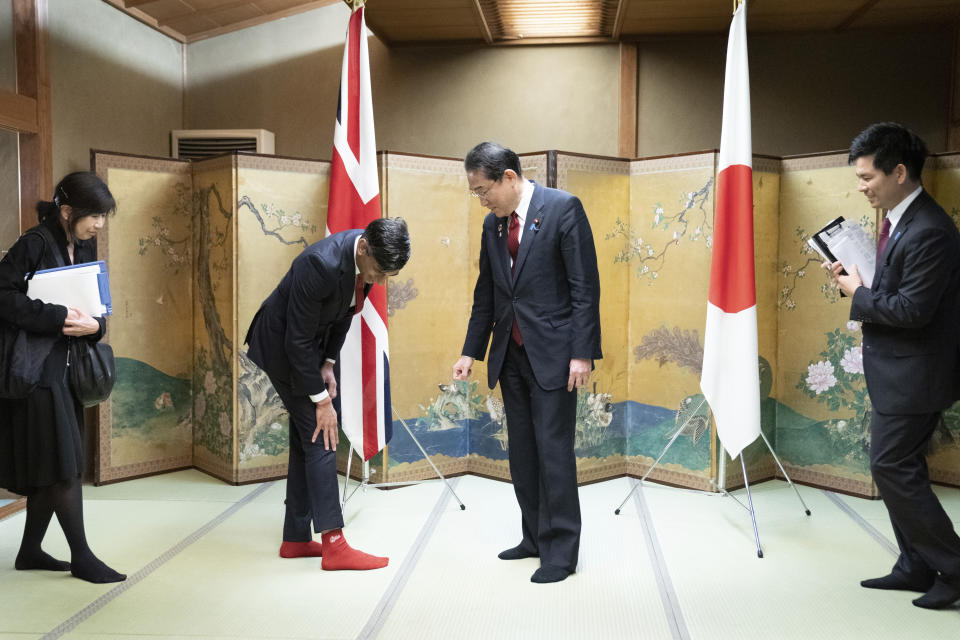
[(103, 281)]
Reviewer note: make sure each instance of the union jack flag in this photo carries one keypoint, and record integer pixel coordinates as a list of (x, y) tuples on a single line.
[(364, 364)]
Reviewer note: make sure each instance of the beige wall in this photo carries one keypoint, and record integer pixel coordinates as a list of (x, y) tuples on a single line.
[(115, 84), (281, 76), (443, 101), (284, 76), (810, 92)]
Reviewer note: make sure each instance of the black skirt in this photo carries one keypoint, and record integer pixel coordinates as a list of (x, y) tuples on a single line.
[(41, 438)]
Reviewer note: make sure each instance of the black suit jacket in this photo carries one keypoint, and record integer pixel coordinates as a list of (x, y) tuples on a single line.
[(554, 291), (306, 318), (910, 314)]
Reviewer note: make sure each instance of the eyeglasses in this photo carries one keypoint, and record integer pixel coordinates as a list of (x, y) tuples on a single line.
[(480, 193)]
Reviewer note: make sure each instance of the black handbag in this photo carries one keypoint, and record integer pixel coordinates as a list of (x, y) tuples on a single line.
[(22, 354), (90, 371)]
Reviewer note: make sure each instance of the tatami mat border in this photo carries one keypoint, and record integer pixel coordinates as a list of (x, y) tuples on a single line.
[(71, 623)]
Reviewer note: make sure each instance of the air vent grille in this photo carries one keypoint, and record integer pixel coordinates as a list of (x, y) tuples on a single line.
[(198, 144)]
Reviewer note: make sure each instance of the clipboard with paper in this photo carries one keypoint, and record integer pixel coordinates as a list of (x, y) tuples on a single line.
[(82, 286), (849, 243)]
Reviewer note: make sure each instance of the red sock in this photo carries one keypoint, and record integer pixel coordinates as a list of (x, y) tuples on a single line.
[(300, 549), (338, 555)]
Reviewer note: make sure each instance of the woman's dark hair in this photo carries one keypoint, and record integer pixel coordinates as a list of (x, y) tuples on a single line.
[(492, 159), (83, 192), (389, 242)]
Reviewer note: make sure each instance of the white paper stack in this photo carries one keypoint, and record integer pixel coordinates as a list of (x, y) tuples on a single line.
[(848, 242), (82, 286)]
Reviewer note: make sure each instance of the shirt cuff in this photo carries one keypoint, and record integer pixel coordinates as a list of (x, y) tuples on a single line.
[(331, 361), (319, 397)]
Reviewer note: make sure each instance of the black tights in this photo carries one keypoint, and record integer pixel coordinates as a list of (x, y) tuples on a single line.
[(65, 500)]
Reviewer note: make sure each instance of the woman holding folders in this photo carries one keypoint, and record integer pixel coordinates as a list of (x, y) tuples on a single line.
[(41, 443)]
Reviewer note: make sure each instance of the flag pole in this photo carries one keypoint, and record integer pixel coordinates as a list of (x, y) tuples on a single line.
[(662, 453), (753, 514), (364, 481), (714, 471)]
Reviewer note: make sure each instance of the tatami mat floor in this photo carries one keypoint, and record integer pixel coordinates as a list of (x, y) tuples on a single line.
[(202, 559)]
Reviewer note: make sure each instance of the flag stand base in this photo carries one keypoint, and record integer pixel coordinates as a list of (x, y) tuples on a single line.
[(721, 483), (364, 481)]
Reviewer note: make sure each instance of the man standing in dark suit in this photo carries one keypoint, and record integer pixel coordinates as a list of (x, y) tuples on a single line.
[(910, 355), (295, 338), (538, 293)]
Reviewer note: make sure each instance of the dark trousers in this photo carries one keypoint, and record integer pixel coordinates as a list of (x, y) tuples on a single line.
[(311, 474), (541, 426), (925, 534)]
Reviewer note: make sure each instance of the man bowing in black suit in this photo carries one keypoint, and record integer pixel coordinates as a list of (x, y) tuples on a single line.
[(910, 355), (295, 338), (538, 293)]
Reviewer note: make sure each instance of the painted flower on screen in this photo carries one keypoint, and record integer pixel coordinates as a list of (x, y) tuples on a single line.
[(852, 361), (820, 376)]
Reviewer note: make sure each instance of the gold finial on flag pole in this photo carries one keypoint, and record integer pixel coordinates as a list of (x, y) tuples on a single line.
[(736, 5), (356, 4)]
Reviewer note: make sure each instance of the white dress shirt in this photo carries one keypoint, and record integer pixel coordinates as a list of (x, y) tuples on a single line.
[(897, 212), (323, 395)]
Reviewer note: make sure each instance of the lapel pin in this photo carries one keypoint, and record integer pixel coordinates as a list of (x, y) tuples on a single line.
[(536, 225)]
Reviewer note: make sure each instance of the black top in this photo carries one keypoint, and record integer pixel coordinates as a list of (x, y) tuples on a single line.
[(40, 436), (305, 319), (911, 313)]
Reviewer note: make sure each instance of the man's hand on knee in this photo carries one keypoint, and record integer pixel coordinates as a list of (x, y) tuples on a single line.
[(327, 423)]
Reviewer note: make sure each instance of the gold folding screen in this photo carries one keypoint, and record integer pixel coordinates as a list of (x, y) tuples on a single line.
[(146, 426), (944, 460), (193, 251), (195, 248)]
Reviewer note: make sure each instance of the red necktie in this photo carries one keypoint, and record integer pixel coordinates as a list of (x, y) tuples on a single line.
[(358, 304), (513, 245), (883, 238)]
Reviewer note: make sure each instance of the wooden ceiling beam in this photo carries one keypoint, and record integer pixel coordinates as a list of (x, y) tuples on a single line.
[(202, 13), (484, 27), (468, 21), (252, 22), (855, 15), (618, 21), (147, 19)]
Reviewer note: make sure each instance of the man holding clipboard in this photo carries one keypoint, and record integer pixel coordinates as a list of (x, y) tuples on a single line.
[(910, 316)]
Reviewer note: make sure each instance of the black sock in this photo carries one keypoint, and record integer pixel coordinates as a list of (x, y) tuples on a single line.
[(39, 514), (68, 505)]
